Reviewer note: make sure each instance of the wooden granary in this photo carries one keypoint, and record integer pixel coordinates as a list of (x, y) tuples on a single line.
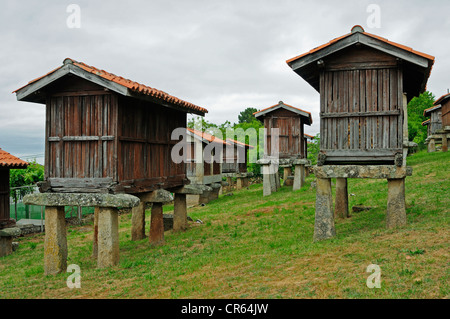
[(285, 145), (438, 125), (365, 82), (290, 121), (105, 133), (108, 145), (362, 80)]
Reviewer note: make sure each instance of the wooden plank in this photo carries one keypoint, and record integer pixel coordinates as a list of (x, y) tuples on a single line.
[(386, 94), (356, 109), (363, 109), (393, 139), (360, 114), (363, 153), (368, 108)]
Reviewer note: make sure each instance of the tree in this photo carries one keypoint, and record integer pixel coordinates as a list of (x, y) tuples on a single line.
[(416, 132), (247, 116), (313, 149), (25, 177)]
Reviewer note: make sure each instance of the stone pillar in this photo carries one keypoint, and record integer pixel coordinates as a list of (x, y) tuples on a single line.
[(246, 183), (95, 235), (396, 205), (341, 206), (268, 179), (138, 221), (444, 142), (157, 225), (287, 171), (230, 183), (6, 237), (277, 180), (299, 177), (55, 243), (179, 213), (108, 237), (431, 146), (239, 183), (5, 246), (324, 220)]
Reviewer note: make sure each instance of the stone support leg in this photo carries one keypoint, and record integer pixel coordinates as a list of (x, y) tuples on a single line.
[(431, 146), (299, 177), (5, 246), (396, 205), (138, 221), (239, 183), (444, 142), (55, 243), (287, 171), (267, 180), (277, 180), (180, 213), (230, 183), (95, 235), (341, 205), (157, 224), (108, 237), (324, 220)]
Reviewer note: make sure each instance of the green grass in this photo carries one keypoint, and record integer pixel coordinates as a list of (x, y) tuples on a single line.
[(251, 246)]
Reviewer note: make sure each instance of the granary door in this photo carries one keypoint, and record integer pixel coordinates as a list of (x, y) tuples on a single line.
[(80, 148), (361, 115)]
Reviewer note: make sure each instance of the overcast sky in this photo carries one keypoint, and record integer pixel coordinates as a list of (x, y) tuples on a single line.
[(222, 55)]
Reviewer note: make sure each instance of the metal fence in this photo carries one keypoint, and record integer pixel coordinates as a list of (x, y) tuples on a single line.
[(18, 210)]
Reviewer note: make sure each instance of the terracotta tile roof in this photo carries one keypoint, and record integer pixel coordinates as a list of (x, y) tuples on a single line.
[(9, 161), (442, 98), (133, 86), (403, 47), (434, 107), (239, 143), (210, 138), (282, 103), (426, 122), (311, 136)]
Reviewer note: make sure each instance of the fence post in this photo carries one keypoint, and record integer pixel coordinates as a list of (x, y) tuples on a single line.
[(15, 203)]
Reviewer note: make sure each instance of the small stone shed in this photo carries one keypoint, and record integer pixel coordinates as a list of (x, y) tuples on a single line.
[(108, 143), (290, 144), (365, 82), (438, 125)]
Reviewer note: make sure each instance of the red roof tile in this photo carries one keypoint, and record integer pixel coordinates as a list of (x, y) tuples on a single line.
[(210, 138), (403, 47), (133, 86), (434, 107), (442, 98), (9, 161), (282, 103), (239, 143)]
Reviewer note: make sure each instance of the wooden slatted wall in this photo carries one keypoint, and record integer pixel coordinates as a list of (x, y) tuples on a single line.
[(4, 194)]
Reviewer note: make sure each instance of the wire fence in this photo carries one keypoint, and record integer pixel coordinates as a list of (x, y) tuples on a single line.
[(18, 210)]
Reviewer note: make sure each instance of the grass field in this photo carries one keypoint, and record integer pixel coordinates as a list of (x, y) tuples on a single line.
[(254, 247)]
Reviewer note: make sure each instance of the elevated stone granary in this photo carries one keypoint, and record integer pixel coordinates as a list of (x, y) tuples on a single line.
[(365, 82)]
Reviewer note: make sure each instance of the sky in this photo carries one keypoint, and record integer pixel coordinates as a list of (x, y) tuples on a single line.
[(223, 55)]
